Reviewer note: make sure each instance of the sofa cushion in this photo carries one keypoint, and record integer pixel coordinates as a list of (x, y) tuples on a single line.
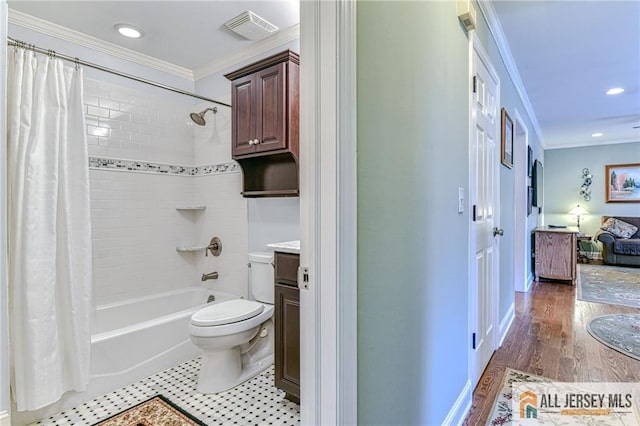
[(619, 228), (630, 246)]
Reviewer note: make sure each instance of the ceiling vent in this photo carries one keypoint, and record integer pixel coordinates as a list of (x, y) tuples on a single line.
[(251, 26)]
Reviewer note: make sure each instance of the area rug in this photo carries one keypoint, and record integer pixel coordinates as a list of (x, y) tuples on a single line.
[(501, 413), (156, 411), (615, 285), (620, 332)]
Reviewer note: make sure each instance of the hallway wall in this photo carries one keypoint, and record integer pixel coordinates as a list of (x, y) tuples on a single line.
[(413, 156), (413, 245)]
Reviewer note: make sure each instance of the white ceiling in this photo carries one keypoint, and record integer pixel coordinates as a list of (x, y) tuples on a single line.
[(190, 34), (568, 53)]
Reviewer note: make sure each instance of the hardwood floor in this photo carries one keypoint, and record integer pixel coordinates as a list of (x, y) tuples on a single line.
[(549, 338)]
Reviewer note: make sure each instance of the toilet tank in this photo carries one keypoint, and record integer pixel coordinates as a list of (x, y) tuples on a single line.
[(261, 281)]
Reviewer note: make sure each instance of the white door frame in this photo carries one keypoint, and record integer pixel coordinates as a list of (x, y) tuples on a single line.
[(521, 280), (328, 204), (475, 46)]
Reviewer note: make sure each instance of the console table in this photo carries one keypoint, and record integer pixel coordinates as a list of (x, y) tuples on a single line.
[(555, 253)]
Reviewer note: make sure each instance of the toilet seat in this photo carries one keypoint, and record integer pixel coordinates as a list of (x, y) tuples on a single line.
[(227, 312)]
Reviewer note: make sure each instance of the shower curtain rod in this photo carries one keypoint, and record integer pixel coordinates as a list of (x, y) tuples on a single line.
[(24, 45)]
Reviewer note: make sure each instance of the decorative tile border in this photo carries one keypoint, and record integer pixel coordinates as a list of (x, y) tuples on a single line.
[(105, 163)]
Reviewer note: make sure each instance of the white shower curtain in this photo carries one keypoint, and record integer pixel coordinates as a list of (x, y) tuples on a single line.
[(49, 230)]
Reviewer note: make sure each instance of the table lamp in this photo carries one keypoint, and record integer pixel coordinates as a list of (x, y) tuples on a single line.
[(578, 211)]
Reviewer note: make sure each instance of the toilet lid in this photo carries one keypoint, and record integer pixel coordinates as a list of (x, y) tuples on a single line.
[(227, 312)]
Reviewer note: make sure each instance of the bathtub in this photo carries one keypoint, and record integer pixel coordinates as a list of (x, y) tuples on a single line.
[(135, 339), (142, 336)]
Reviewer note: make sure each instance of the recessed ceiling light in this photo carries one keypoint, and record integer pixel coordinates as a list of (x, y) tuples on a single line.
[(596, 135), (128, 30), (615, 91)]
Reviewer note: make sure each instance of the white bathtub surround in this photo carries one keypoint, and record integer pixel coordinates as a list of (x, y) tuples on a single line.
[(136, 125), (256, 401), (226, 218), (135, 230), (134, 339), (50, 229), (162, 168)]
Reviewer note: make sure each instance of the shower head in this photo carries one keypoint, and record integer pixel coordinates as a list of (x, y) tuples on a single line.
[(198, 117)]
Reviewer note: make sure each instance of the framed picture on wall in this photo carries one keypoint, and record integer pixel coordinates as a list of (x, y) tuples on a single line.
[(506, 138), (529, 200), (530, 161), (622, 183)]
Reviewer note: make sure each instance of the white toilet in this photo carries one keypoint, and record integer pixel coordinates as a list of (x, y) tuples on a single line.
[(236, 336)]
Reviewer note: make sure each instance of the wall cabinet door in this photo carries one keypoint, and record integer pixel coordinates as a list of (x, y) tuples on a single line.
[(243, 98), (287, 340), (271, 116)]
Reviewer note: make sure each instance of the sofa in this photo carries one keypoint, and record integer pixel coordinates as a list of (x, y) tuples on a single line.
[(618, 248)]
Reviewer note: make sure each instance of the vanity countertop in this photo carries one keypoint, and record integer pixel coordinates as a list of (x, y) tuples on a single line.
[(286, 247)]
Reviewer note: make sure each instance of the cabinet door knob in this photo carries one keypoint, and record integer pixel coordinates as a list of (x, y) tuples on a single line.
[(256, 141)]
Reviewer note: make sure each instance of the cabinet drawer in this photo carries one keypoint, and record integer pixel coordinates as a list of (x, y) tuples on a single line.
[(287, 268)]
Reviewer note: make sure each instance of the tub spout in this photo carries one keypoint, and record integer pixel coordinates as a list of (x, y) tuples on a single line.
[(210, 276)]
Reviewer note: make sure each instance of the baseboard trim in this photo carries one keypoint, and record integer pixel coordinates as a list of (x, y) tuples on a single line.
[(460, 408), (506, 322), (5, 419)]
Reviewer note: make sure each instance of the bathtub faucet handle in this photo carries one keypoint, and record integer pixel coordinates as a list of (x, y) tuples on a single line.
[(215, 247)]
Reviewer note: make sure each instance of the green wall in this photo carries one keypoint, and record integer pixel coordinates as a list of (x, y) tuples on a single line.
[(413, 155), (412, 243), (563, 178)]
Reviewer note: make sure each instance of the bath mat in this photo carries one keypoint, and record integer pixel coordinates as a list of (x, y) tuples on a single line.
[(156, 411), (620, 332), (614, 285), (501, 412)]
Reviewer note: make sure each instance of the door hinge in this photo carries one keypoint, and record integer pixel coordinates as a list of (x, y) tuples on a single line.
[(474, 212), (473, 340), (303, 277), (475, 84)]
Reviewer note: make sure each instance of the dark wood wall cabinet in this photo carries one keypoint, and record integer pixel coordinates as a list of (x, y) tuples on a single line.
[(287, 325), (265, 125)]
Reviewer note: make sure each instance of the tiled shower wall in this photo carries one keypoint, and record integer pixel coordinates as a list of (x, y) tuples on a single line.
[(135, 224), (226, 213), (124, 123)]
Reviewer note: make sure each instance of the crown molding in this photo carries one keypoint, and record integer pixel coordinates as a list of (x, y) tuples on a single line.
[(281, 37), (489, 12), (58, 31), (592, 144)]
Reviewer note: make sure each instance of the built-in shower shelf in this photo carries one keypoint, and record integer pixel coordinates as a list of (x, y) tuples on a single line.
[(190, 249), (191, 207)]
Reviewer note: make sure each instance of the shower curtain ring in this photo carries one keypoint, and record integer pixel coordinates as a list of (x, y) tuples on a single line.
[(77, 62)]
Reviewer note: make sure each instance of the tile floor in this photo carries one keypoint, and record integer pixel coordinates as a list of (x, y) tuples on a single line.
[(255, 402)]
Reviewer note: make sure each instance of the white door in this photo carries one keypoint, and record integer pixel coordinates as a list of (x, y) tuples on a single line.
[(485, 163)]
